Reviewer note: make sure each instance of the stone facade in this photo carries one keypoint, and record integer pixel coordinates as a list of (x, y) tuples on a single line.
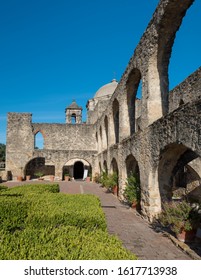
[(156, 136)]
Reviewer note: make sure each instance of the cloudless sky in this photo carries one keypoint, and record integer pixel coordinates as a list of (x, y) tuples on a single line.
[(54, 51)]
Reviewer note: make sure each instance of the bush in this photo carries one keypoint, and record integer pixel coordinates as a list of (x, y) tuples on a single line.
[(39, 223), (109, 180), (132, 191), (179, 216)]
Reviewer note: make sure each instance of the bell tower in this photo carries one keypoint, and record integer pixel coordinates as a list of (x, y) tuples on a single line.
[(73, 113)]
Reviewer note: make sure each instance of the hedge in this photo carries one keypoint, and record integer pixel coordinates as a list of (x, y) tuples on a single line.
[(37, 222)]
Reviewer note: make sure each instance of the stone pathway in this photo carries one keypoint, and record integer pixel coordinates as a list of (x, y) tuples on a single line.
[(135, 233)]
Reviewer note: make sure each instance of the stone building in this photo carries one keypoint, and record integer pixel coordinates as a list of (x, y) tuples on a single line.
[(157, 136)]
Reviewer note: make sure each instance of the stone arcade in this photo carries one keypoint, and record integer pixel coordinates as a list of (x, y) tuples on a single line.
[(159, 135)]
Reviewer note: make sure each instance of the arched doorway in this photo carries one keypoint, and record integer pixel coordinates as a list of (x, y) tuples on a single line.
[(78, 170)]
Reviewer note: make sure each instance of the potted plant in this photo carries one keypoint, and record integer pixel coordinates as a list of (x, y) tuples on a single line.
[(132, 192), (88, 178), (110, 181), (67, 177), (114, 183), (97, 178), (39, 175), (181, 218)]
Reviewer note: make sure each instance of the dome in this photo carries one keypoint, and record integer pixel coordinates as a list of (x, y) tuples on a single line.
[(107, 89)]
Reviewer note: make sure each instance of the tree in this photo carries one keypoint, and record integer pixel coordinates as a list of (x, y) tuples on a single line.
[(2, 152)]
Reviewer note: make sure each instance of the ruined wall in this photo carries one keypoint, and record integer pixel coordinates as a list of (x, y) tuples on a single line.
[(189, 90), (66, 136), (61, 140)]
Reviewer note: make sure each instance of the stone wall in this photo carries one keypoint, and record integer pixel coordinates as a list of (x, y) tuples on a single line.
[(60, 140), (187, 91)]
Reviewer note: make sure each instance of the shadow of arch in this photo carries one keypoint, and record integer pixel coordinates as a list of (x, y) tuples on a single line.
[(173, 169), (38, 165), (105, 166), (132, 166)]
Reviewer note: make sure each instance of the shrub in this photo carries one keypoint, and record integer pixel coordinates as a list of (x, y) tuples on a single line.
[(132, 191), (179, 216), (109, 180), (39, 223)]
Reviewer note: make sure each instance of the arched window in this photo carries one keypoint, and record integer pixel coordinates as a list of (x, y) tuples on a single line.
[(38, 141), (73, 118), (134, 94), (116, 120), (106, 129)]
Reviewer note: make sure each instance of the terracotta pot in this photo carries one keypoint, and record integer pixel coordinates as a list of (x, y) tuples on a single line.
[(19, 178), (115, 190), (28, 177), (67, 178), (88, 179), (186, 236), (52, 178)]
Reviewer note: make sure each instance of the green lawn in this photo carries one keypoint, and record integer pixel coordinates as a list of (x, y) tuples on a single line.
[(37, 222)]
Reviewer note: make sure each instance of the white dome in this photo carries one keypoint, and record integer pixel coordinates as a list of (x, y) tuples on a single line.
[(107, 89)]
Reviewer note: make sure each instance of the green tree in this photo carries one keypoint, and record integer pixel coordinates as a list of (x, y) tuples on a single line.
[(2, 152)]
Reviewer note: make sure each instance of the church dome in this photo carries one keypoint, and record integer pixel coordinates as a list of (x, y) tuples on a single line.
[(107, 89)]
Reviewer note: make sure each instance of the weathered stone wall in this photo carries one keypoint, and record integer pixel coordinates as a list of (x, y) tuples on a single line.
[(60, 141), (66, 136), (187, 91)]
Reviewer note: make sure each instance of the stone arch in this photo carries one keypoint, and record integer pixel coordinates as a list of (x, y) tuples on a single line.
[(77, 170), (73, 118), (39, 140), (176, 166), (114, 166), (106, 131), (132, 86), (174, 13), (132, 166), (37, 165), (115, 110)]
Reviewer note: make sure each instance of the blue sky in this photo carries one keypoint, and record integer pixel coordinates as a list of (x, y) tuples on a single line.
[(54, 51)]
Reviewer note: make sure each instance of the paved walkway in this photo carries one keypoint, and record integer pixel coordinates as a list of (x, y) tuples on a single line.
[(135, 233)]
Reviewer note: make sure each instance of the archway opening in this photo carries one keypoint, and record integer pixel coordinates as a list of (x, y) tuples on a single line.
[(38, 141), (105, 166), (37, 166), (133, 180), (106, 129), (179, 174), (78, 171), (73, 118), (134, 94), (116, 120)]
